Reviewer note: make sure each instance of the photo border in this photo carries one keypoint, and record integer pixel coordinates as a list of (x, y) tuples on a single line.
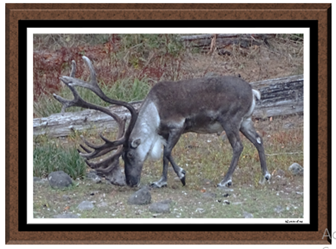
[(16, 12)]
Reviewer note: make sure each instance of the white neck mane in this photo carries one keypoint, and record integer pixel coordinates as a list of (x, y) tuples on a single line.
[(146, 129)]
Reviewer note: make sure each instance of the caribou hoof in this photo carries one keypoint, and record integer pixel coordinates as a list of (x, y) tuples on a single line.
[(267, 176), (158, 185), (183, 177), (226, 184)]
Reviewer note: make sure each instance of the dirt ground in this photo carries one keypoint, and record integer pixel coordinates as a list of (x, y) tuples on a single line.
[(281, 198)]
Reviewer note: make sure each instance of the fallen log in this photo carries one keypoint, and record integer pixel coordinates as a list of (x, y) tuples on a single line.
[(282, 96), (279, 97), (209, 36), (206, 42)]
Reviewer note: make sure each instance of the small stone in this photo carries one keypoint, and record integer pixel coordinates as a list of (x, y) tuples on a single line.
[(296, 169), (85, 205), (59, 179), (211, 75), (247, 215), (140, 197), (199, 210), (156, 215), (160, 207), (278, 209), (66, 216)]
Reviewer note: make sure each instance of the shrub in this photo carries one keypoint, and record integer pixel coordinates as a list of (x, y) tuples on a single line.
[(126, 90), (52, 157)]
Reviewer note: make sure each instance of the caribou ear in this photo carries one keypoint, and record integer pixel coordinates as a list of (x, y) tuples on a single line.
[(135, 143)]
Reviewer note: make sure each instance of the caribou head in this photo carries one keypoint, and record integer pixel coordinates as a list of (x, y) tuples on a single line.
[(204, 105)]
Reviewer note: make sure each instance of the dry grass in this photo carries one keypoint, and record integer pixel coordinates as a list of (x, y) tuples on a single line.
[(118, 60)]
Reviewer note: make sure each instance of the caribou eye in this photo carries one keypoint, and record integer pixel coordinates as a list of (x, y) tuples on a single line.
[(129, 155)]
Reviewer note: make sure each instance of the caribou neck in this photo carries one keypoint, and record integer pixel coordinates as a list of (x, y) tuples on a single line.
[(145, 129)]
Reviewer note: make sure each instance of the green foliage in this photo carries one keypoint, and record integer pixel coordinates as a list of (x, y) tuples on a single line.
[(142, 44), (57, 41), (126, 90), (129, 91), (52, 157)]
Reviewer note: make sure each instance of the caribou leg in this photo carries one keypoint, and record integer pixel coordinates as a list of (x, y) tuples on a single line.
[(173, 137), (248, 130), (233, 135)]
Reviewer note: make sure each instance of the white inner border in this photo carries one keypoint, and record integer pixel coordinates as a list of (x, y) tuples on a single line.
[(32, 31)]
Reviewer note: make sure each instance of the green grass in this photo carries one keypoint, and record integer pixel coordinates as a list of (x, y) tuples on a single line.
[(126, 90), (51, 157)]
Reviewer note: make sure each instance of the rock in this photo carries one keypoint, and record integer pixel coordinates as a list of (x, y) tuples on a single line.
[(85, 205), (160, 207), (199, 210), (140, 197), (247, 215), (66, 197), (59, 179), (92, 175), (211, 75), (278, 209), (66, 216), (296, 169)]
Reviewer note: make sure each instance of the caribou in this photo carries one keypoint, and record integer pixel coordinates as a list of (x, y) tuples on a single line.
[(204, 105)]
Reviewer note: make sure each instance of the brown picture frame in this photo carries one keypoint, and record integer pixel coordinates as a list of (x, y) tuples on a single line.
[(318, 12)]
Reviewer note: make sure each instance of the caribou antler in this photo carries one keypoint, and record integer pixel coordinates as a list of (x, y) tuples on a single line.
[(93, 86), (109, 165)]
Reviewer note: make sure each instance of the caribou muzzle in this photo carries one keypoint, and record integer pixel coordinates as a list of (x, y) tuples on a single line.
[(132, 181)]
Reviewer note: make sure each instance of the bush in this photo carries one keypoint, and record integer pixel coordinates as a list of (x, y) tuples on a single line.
[(126, 90), (52, 157)]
